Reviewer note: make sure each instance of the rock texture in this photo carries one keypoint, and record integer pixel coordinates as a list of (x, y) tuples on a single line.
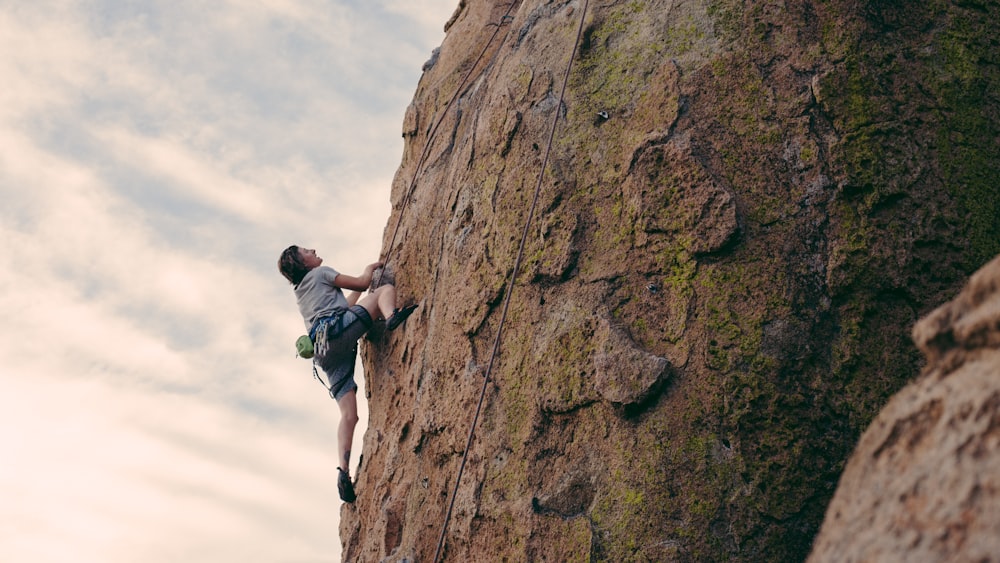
[(747, 206), (924, 482)]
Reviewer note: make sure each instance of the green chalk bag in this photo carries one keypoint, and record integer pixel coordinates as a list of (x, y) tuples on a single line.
[(304, 346)]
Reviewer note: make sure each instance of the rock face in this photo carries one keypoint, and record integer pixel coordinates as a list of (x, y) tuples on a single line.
[(924, 482), (746, 207)]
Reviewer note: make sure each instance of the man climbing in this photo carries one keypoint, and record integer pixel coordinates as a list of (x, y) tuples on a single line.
[(335, 323)]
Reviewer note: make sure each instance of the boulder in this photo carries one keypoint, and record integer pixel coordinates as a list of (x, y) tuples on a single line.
[(924, 482)]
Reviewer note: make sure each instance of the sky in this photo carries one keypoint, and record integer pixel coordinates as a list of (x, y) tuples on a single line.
[(155, 158)]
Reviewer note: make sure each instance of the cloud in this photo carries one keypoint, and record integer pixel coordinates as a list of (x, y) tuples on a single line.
[(137, 477), (155, 157)]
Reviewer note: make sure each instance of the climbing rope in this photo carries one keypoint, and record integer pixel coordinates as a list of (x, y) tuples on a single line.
[(510, 286), (433, 131)]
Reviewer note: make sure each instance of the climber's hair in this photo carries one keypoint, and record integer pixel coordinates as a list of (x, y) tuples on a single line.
[(291, 266)]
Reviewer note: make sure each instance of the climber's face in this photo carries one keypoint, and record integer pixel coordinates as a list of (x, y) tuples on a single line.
[(309, 258)]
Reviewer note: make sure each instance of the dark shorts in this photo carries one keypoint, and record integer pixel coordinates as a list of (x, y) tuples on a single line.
[(342, 352)]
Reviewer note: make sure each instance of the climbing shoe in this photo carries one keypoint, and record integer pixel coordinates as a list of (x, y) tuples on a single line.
[(345, 487), (398, 316)]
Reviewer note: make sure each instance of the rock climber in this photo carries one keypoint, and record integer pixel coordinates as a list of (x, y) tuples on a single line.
[(335, 323)]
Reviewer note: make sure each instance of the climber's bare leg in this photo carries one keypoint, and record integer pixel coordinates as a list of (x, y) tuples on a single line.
[(345, 432), (380, 303)]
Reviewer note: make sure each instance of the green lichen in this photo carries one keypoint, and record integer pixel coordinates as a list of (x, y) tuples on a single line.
[(728, 17), (745, 108), (517, 394), (683, 37), (966, 142), (612, 74), (566, 368), (736, 459)]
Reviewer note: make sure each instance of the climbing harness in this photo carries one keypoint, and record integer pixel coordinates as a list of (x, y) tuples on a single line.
[(314, 345), (510, 286), (323, 330)]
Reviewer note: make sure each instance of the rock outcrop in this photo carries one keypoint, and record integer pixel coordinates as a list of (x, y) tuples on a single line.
[(746, 207), (924, 482)]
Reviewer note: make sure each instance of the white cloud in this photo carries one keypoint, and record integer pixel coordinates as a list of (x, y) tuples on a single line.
[(30, 85), (155, 157), (194, 174), (136, 472)]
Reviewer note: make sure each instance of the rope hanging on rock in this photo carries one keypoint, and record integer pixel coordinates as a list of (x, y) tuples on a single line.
[(430, 137), (510, 286)]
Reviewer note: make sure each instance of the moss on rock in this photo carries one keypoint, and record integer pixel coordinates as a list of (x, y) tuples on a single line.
[(772, 194)]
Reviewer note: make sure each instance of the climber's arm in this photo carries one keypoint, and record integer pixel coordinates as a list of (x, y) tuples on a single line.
[(357, 283)]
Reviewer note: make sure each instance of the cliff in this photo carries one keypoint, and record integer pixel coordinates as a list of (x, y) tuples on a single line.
[(745, 208)]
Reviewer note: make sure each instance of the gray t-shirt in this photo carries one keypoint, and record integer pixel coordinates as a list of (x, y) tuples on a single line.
[(317, 295)]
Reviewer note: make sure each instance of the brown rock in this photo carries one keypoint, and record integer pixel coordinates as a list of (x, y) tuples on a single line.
[(671, 194), (924, 482), (745, 208), (624, 373)]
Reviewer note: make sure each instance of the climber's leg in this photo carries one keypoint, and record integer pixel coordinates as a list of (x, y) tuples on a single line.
[(345, 432), (380, 302)]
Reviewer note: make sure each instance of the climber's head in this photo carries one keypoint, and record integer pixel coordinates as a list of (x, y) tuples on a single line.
[(296, 262)]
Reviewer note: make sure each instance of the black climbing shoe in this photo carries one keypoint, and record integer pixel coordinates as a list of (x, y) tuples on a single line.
[(398, 316), (345, 487)]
